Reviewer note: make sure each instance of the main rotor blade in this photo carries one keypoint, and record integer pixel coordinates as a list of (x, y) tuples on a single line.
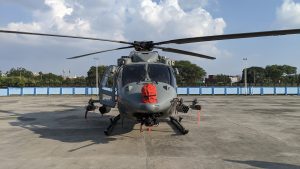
[(62, 36), (75, 57), (183, 52), (230, 36)]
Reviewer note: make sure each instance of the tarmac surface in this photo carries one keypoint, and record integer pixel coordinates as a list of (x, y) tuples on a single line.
[(233, 132)]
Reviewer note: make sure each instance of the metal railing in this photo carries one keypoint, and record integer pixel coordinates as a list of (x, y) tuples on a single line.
[(238, 90), (211, 90)]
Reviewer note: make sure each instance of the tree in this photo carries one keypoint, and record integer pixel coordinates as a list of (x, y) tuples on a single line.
[(50, 79), (298, 79), (28, 79), (79, 81), (255, 75), (19, 72), (12, 82), (189, 74), (278, 73), (222, 79), (19, 77), (289, 70), (91, 74)]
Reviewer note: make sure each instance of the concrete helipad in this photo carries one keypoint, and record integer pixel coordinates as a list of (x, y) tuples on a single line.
[(234, 132)]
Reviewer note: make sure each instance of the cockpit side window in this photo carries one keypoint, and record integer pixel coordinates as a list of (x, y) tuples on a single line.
[(133, 73), (159, 73)]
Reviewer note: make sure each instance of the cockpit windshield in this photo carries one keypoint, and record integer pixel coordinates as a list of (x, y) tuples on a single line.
[(133, 73), (137, 73), (159, 73)]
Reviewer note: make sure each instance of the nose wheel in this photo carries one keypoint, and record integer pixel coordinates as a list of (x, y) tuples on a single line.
[(149, 121)]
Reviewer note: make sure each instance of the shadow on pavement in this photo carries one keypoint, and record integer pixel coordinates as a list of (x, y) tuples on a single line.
[(69, 125), (266, 165)]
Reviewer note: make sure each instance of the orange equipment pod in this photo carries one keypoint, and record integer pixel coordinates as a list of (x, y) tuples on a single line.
[(149, 93)]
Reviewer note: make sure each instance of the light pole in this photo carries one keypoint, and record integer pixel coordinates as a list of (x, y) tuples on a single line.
[(245, 76), (97, 75)]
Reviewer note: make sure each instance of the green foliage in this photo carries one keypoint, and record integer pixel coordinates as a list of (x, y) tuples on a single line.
[(222, 79), (91, 75), (21, 72), (255, 75), (289, 69), (79, 81), (52, 79), (12, 81), (189, 74), (272, 74), (21, 77), (278, 73)]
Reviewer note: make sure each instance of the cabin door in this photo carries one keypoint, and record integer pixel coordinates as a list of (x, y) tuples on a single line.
[(107, 87)]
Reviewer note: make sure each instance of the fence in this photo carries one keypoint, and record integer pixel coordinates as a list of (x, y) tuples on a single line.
[(238, 90), (11, 91), (48, 91)]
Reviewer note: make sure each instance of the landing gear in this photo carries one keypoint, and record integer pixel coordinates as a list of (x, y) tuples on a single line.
[(90, 107), (148, 121), (178, 125), (113, 122), (103, 110)]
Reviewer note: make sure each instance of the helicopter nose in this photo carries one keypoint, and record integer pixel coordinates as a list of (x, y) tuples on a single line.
[(131, 99), (150, 107)]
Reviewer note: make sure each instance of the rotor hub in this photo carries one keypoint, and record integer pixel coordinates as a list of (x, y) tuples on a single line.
[(143, 45)]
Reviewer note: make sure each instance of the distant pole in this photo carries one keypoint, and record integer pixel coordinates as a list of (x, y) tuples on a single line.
[(295, 78), (245, 76), (97, 87), (254, 80), (64, 75)]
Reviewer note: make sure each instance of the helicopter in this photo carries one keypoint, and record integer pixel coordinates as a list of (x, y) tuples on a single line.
[(143, 84)]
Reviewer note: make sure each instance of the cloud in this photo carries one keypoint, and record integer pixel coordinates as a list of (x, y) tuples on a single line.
[(121, 20), (53, 20), (190, 4), (289, 13), (28, 4)]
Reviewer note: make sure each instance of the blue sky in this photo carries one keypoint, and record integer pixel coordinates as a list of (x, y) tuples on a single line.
[(147, 20)]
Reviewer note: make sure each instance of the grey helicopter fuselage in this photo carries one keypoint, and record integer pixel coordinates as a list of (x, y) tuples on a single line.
[(130, 97), (129, 77)]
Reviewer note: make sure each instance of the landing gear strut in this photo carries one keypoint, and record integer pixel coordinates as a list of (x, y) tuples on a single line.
[(90, 107), (178, 125), (113, 122)]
